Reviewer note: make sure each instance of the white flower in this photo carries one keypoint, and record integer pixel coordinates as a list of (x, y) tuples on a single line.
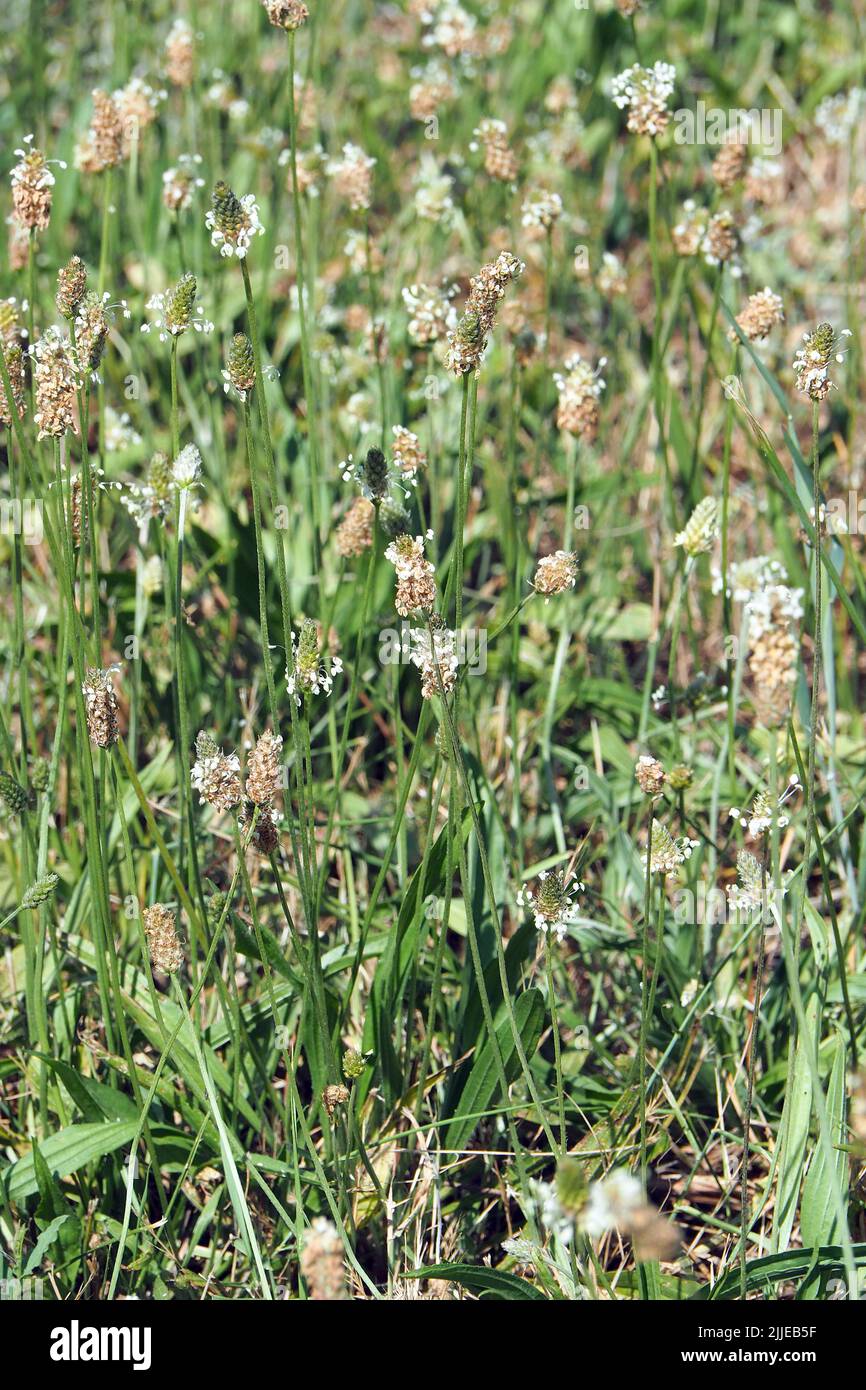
[(762, 815), (156, 306), (186, 469), (612, 1203), (308, 672), (541, 210), (237, 241), (644, 93), (551, 903), (550, 1211)]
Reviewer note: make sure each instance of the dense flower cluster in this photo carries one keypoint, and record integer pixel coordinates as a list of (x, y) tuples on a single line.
[(467, 342)]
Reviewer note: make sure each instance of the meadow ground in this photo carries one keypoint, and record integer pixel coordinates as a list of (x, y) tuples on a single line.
[(433, 646)]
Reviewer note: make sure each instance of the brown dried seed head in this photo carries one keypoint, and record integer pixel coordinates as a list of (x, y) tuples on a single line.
[(556, 573), (91, 331), (15, 370), (56, 385), (762, 313), (407, 451), (286, 14), (32, 182), (722, 239), (100, 705), (180, 54), (264, 769), (650, 775), (216, 775), (354, 534), (332, 1096), (729, 164), (322, 1263), (106, 133), (71, 287), (166, 951), (265, 837)]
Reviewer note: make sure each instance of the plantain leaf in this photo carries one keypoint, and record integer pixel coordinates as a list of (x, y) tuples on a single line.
[(67, 1151), (495, 1284), (818, 1223)]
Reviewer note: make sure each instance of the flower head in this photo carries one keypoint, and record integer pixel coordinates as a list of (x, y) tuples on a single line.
[(762, 313), (137, 104), (310, 672), (729, 164), (232, 221), (433, 188), (751, 890), (216, 775), (763, 815), (644, 93), (721, 240), (265, 837), (180, 54), (57, 383), (434, 653), (612, 1203), (431, 312), (667, 853), (71, 287), (264, 769), (100, 707), (555, 573), (701, 529), (15, 371), (175, 310), (40, 891), (153, 498), (186, 469), (407, 453), (373, 475), (579, 391), (689, 232), (467, 342), (91, 331), (286, 14), (500, 161), (180, 182), (773, 614), (353, 176), (416, 585), (813, 361), (166, 951), (105, 136), (15, 797), (551, 902), (32, 182), (354, 534), (649, 775), (240, 369), (541, 211)]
